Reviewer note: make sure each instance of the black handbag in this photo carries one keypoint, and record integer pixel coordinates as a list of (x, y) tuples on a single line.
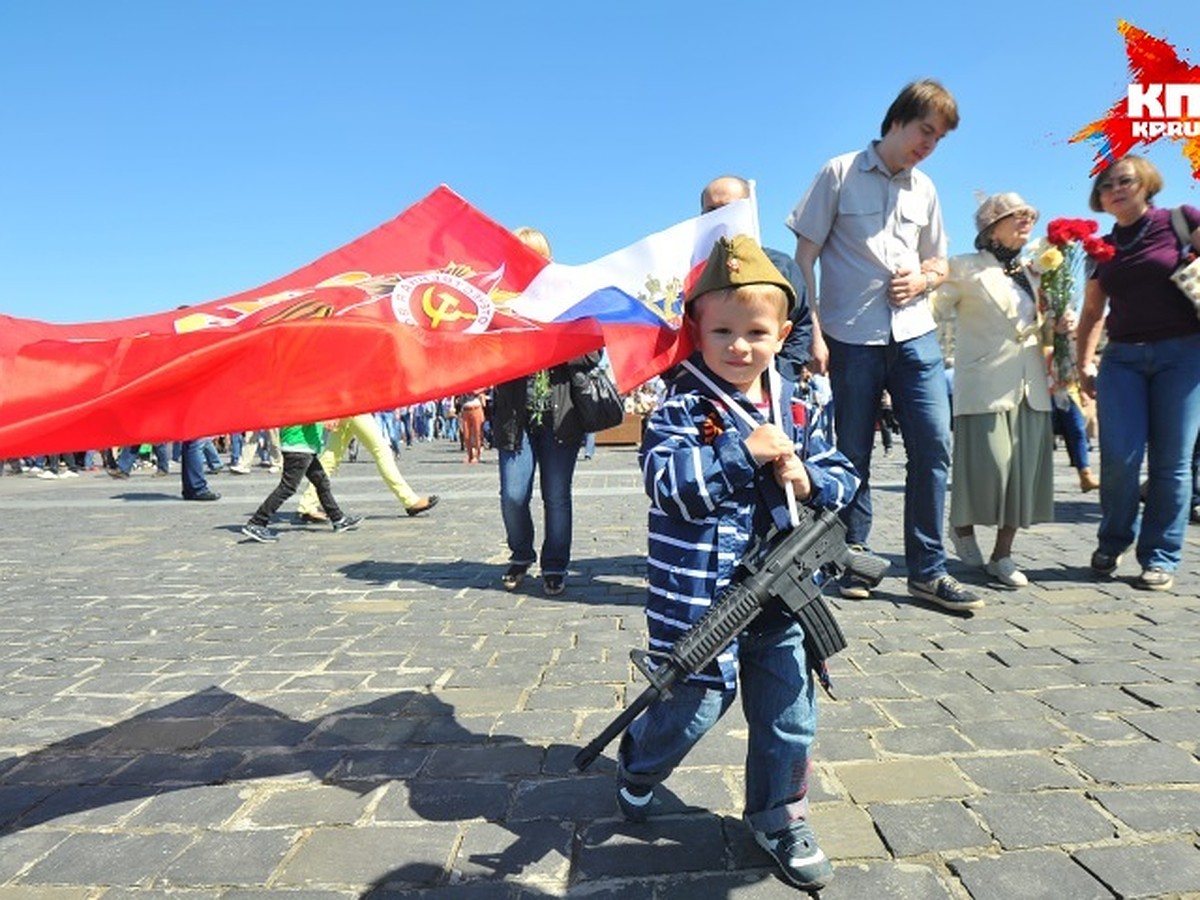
[(595, 397)]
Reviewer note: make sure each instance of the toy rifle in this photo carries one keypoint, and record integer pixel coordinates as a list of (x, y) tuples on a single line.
[(784, 573)]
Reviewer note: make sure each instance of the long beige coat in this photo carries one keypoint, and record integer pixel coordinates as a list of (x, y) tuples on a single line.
[(996, 363)]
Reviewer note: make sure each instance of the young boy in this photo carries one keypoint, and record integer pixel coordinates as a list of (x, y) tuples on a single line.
[(300, 445), (715, 459)]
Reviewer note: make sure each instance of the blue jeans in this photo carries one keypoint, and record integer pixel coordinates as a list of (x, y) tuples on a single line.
[(1148, 400), (1071, 425), (556, 463), (191, 469), (912, 372), (127, 456), (779, 703)]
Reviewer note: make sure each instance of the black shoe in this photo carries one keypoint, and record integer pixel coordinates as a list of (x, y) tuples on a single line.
[(552, 585), (514, 575), (947, 592), (1195, 516), (347, 523), (203, 495), (430, 502), (117, 473), (260, 533), (1105, 563)]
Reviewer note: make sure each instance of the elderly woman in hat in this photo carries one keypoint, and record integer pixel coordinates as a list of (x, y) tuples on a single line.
[(1003, 439)]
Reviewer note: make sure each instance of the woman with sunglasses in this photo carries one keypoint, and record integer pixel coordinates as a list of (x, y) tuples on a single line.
[(1003, 458), (1148, 382)]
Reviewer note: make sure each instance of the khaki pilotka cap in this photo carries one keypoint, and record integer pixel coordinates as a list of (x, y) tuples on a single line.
[(734, 262)]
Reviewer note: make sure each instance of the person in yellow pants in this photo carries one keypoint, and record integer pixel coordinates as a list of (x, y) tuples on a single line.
[(366, 429)]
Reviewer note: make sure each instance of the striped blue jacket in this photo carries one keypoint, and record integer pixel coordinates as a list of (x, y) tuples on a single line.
[(709, 501)]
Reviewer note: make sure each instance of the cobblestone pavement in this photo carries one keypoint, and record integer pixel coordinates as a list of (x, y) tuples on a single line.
[(185, 713)]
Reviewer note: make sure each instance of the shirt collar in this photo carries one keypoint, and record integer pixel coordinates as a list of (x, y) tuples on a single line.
[(872, 160)]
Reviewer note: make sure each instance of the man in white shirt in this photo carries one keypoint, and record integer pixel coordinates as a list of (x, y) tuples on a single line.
[(874, 222)]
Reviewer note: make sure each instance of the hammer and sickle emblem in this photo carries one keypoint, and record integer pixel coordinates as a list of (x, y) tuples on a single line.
[(446, 310)]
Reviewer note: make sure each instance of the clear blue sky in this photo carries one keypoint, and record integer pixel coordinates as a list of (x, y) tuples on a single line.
[(165, 153)]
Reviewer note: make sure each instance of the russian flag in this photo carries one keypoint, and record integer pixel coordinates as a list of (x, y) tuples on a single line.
[(438, 301)]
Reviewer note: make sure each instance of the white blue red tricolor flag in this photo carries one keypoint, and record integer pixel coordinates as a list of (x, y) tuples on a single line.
[(438, 301)]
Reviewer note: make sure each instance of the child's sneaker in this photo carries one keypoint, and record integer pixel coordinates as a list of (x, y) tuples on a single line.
[(635, 800), (795, 849), (347, 523), (260, 533)]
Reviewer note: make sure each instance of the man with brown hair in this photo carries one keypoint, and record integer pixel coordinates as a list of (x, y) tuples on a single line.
[(874, 221)]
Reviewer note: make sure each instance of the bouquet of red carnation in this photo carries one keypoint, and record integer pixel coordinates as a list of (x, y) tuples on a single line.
[(1059, 259)]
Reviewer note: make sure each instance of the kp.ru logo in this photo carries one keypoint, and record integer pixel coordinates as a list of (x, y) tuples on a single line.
[(1163, 101), (1163, 110)]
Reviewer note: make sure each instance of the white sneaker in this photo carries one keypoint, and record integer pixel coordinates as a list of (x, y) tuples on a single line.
[(1006, 570), (967, 549)]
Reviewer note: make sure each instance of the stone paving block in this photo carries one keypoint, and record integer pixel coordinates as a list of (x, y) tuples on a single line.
[(491, 761), (1002, 679), (436, 800), (16, 799), (231, 858), (1155, 810), (894, 881), (1016, 772), (739, 885), (515, 852), (845, 831), (87, 859), (901, 780), (1092, 699), (564, 799), (1014, 734), (32, 892), (1023, 821), (660, 846), (417, 855), (303, 805), (165, 769), (914, 713), (20, 849), (930, 740), (1030, 875), (299, 765), (981, 706), (1168, 725), (910, 829), (1098, 727), (203, 806), (1170, 696), (1137, 764), (843, 745), (1146, 870)]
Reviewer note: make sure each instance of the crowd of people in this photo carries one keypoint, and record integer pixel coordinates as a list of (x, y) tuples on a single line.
[(779, 405)]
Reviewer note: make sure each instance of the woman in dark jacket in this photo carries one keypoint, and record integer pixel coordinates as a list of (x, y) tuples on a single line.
[(535, 427)]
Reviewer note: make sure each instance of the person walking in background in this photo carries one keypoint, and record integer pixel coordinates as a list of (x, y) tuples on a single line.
[(1147, 386), (874, 221), (1003, 438), (537, 430), (299, 446), (365, 428), (470, 415)]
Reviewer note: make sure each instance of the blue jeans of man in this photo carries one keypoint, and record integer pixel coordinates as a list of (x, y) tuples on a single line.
[(913, 373), (779, 704), (1148, 401), (191, 469), (555, 463)]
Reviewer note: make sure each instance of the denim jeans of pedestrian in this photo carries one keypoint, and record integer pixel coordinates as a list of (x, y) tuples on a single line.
[(555, 464), (912, 372), (779, 704), (128, 456), (1148, 399), (191, 469), (1070, 424), (296, 467), (235, 447)]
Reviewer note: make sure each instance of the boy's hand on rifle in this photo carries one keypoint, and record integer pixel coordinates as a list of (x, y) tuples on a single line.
[(791, 468), (768, 443)]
